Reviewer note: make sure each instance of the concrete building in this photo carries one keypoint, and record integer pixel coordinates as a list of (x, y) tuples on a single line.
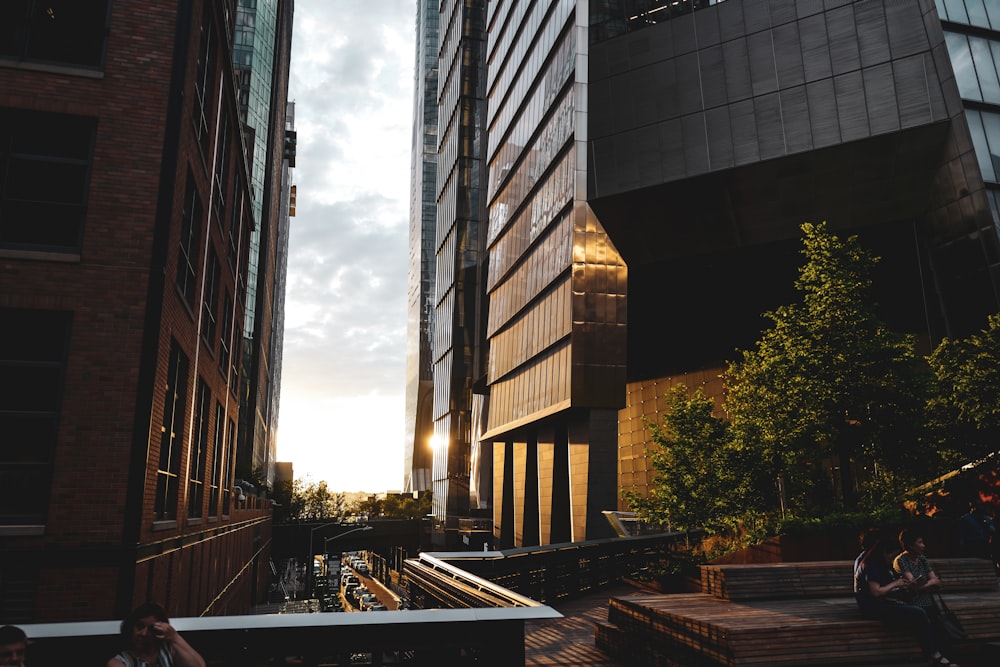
[(648, 165), (126, 212)]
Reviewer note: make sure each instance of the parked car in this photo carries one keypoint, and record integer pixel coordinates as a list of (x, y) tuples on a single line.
[(356, 594), (349, 591)]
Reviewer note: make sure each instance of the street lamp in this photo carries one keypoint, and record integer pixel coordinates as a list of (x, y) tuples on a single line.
[(312, 557)]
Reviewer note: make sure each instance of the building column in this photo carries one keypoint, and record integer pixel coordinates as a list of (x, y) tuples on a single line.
[(593, 473), (526, 493), (503, 494), (546, 458), (561, 529)]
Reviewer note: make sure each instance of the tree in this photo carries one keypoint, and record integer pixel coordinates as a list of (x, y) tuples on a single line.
[(370, 506), (964, 406), (696, 473), (308, 501), (398, 506), (827, 382)]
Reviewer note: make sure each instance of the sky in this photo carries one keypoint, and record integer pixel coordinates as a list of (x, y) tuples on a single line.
[(343, 375)]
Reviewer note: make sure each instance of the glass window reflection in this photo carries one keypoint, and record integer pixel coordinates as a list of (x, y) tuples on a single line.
[(986, 69), (961, 62), (954, 10)]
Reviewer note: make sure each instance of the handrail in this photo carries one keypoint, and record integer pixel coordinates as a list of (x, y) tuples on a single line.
[(490, 594)]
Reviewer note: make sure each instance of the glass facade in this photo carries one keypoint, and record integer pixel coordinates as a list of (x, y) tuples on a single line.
[(611, 18), (695, 147), (420, 296), (253, 57), (556, 283), (457, 339), (972, 32), (259, 68)]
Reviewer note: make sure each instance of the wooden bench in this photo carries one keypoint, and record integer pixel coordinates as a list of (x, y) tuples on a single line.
[(783, 614), (773, 581)]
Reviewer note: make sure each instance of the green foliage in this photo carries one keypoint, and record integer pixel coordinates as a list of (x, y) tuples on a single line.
[(309, 501), (370, 506), (406, 507), (840, 522), (828, 387), (965, 404), (698, 475), (828, 383)]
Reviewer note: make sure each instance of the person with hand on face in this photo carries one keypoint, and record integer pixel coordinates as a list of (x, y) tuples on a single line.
[(153, 642), (13, 644)]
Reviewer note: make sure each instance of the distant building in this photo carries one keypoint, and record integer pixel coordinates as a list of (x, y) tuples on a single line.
[(261, 52), (126, 213), (418, 455), (283, 472), (647, 167)]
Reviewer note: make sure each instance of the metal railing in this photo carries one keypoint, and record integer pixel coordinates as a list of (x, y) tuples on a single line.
[(459, 637)]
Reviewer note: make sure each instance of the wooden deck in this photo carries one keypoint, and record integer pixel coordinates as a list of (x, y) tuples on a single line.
[(810, 619)]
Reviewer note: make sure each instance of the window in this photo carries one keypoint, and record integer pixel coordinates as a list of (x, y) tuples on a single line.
[(199, 450), (985, 129), (974, 60), (981, 13), (227, 473), (235, 219), (221, 169), (203, 82), (210, 305), (172, 435), (44, 171), (68, 32), (190, 225), (226, 334), (33, 345), (217, 449)]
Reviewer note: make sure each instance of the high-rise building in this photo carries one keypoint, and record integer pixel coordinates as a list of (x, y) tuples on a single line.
[(262, 47), (423, 227), (649, 164), (458, 344), (126, 210)]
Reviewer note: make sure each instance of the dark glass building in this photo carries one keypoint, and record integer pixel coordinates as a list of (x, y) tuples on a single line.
[(423, 228), (457, 347), (648, 166)]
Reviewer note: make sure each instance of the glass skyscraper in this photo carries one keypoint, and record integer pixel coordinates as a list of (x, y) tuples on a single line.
[(262, 38), (423, 227)]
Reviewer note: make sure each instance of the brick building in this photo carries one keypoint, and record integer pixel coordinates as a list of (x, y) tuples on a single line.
[(126, 210)]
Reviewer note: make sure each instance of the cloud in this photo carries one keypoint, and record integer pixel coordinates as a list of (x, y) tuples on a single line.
[(345, 306), (346, 297)]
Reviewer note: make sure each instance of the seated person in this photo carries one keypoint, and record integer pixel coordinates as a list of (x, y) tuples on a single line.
[(912, 564), (877, 590)]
